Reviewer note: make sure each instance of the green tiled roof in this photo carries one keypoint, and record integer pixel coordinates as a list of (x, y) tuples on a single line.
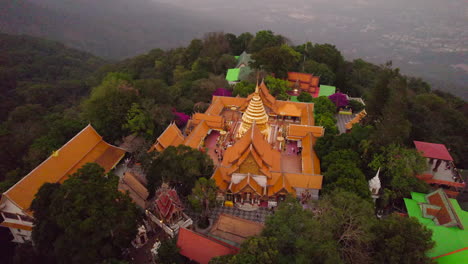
[(294, 98), (244, 73), (232, 75), (447, 239), (326, 90), (244, 58)]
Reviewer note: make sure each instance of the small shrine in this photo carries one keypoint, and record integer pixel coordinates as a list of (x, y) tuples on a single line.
[(167, 211), (141, 238), (375, 185)]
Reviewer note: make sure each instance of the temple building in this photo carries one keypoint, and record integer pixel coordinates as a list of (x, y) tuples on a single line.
[(242, 70), (440, 170), (262, 148), (87, 146), (304, 82), (167, 211), (447, 221)]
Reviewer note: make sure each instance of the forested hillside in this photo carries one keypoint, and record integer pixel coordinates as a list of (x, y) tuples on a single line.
[(46, 93), (41, 84), (50, 92), (112, 29)]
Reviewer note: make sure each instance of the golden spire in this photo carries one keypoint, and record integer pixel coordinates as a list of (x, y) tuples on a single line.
[(255, 112)]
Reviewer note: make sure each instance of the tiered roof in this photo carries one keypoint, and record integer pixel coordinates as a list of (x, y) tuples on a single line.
[(172, 136), (446, 220), (87, 146), (255, 113), (167, 203), (306, 81)]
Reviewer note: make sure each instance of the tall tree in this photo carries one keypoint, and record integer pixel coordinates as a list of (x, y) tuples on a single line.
[(91, 220), (401, 240), (203, 198), (277, 59), (180, 166), (265, 39)]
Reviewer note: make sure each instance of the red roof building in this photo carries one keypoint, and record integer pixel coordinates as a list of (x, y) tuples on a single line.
[(433, 150), (201, 248), (168, 206), (306, 81)]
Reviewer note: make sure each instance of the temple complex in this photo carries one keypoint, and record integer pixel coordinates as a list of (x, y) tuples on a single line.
[(262, 148)]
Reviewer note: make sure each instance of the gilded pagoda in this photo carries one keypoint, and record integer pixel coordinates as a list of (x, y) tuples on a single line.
[(262, 147)]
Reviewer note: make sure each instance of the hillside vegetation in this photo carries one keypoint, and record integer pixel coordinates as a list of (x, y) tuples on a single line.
[(51, 92)]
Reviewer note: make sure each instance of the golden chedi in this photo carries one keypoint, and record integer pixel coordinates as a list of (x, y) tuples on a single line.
[(255, 112)]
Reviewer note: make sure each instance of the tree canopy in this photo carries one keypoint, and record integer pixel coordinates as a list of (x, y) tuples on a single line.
[(85, 219), (180, 166)]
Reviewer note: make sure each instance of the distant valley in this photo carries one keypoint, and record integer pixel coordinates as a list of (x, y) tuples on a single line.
[(424, 38)]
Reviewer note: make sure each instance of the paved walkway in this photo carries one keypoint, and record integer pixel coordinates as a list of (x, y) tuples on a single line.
[(342, 120), (257, 216)]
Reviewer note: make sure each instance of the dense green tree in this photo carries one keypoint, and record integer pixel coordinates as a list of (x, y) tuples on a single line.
[(327, 54), (398, 168), (243, 89), (320, 69), (180, 166), (84, 220), (338, 156), (214, 45), (108, 114), (139, 121), (349, 219), (265, 39), (396, 236), (278, 87), (305, 97), (240, 43), (356, 106), (344, 174), (328, 121), (203, 199), (278, 60), (224, 63), (255, 250), (323, 105), (168, 253), (298, 242)]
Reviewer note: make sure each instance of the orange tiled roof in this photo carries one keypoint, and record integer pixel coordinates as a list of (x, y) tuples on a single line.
[(197, 135), (86, 146), (218, 177), (280, 185), (16, 226), (253, 137), (289, 109), (202, 248), (136, 189), (308, 181), (213, 121), (306, 81), (235, 229), (172, 136), (300, 131)]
